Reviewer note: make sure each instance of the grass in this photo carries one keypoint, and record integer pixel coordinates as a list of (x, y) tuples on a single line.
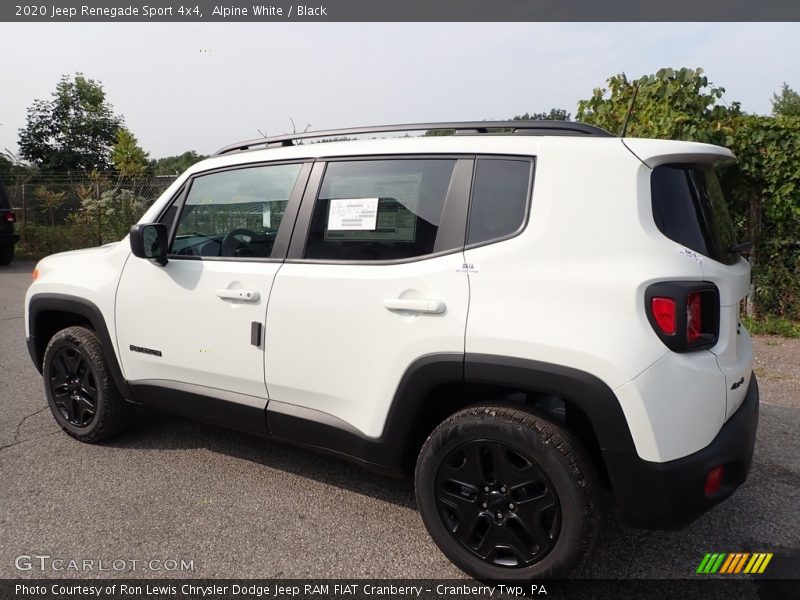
[(770, 325)]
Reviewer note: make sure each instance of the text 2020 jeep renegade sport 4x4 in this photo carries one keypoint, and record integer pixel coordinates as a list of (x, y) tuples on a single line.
[(519, 320)]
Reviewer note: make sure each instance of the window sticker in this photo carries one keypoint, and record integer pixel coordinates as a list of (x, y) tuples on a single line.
[(393, 223), (396, 201), (353, 214)]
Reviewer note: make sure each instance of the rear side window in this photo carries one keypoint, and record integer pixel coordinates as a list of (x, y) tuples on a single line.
[(689, 208), (499, 198), (379, 209)]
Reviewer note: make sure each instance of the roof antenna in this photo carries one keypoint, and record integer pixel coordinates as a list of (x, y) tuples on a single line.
[(630, 111)]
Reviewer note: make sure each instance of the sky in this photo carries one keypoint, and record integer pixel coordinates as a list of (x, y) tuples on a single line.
[(201, 86)]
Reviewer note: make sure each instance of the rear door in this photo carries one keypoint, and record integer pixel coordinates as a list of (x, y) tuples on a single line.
[(373, 282)]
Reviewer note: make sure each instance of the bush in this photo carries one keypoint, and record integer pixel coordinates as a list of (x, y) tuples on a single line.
[(112, 215)]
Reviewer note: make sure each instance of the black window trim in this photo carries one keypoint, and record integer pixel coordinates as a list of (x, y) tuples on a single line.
[(526, 219), (454, 211), (283, 238)]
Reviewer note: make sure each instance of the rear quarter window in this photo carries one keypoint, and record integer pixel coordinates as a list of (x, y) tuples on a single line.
[(499, 199), (690, 209)]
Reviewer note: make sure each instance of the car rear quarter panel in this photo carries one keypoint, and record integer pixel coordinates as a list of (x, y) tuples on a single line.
[(570, 290)]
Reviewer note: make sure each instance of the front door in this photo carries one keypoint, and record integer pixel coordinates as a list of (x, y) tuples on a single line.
[(195, 324)]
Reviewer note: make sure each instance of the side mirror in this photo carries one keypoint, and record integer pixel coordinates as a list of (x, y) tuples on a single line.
[(149, 240)]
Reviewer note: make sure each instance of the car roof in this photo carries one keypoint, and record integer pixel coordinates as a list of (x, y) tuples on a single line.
[(648, 151)]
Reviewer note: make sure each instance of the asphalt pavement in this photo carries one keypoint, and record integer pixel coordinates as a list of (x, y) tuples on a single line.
[(229, 505)]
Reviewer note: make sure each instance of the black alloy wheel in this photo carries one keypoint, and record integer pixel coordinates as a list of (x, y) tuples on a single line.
[(80, 388), (496, 501), (507, 494), (73, 384)]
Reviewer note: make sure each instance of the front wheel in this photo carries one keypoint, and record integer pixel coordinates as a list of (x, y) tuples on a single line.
[(80, 389), (507, 495)]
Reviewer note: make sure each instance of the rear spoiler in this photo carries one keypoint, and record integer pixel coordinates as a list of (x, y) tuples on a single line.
[(658, 152)]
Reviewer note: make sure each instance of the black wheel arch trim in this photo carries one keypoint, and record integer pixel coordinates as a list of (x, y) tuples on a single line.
[(588, 392), (427, 373), (82, 307)]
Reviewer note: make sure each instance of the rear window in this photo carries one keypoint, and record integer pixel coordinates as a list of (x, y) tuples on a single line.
[(4, 202), (689, 208)]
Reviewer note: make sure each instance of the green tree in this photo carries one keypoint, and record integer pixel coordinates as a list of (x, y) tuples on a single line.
[(555, 114), (128, 158), (764, 191), (50, 201), (72, 132), (672, 104), (6, 168), (787, 103), (763, 188), (174, 165), (14, 171)]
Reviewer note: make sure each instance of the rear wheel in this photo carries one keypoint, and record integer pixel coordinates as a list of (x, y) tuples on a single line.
[(6, 254), (80, 390), (507, 495)]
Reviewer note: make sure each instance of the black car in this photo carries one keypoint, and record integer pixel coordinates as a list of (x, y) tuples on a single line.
[(7, 236)]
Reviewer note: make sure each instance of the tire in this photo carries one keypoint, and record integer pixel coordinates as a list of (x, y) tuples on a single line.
[(80, 389), (539, 518), (6, 255)]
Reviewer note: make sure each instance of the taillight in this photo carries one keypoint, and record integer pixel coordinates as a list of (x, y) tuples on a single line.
[(694, 318), (664, 314), (714, 480), (10, 217), (684, 314)]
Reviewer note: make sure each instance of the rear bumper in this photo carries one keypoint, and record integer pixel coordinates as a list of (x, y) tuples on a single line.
[(671, 495)]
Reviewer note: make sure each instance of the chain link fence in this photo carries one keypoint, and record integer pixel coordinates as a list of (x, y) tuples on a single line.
[(61, 212)]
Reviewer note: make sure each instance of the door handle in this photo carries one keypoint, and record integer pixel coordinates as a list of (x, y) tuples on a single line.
[(435, 307), (243, 295)]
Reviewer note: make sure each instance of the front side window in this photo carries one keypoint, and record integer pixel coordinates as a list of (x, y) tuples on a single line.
[(234, 213), (379, 209)]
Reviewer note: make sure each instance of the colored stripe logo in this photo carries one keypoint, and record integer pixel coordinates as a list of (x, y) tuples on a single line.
[(734, 562)]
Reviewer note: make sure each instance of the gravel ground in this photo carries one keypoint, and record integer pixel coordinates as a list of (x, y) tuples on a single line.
[(243, 507)]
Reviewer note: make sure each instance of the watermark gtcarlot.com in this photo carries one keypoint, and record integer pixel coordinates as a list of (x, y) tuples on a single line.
[(57, 564)]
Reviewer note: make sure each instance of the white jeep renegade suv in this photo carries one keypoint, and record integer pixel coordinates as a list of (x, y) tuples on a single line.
[(520, 316)]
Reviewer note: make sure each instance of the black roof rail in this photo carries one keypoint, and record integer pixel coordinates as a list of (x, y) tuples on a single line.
[(475, 127)]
